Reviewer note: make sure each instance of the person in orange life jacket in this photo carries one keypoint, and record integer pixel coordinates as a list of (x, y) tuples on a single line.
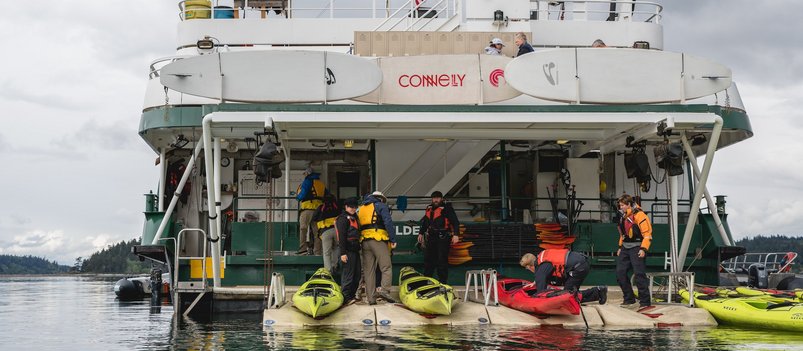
[(635, 236), (563, 265), (309, 195), (438, 228), (378, 237), (347, 231), (324, 219)]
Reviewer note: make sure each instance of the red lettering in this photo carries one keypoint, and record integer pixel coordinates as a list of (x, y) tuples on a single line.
[(443, 80), (416, 77), (429, 80), (461, 77), (408, 81)]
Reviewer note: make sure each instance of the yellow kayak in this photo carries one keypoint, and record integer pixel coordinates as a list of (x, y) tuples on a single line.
[(319, 296), (424, 294), (773, 294), (751, 312)]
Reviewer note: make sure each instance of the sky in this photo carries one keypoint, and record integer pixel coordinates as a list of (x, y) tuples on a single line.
[(73, 81)]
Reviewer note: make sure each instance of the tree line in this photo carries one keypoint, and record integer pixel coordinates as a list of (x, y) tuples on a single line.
[(116, 258), (10, 264)]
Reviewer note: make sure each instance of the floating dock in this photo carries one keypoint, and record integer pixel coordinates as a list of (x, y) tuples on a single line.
[(472, 313)]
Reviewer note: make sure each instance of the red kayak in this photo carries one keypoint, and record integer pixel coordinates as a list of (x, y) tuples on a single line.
[(513, 294)]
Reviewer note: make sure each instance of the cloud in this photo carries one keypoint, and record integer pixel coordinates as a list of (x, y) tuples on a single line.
[(56, 245), (116, 135), (4, 145)]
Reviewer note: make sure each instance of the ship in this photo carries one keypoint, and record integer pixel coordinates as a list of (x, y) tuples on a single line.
[(401, 97)]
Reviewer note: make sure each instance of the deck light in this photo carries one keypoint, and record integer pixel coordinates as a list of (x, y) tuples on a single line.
[(348, 143), (205, 44), (562, 142)]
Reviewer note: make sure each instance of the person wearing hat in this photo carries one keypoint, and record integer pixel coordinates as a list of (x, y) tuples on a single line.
[(347, 231), (495, 47), (377, 238), (309, 195), (439, 229)]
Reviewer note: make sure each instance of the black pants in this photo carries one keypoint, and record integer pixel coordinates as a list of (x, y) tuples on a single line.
[(628, 258), (436, 254), (350, 277), (575, 277)]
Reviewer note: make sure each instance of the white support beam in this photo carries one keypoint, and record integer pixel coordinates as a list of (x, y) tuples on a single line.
[(700, 189), (172, 206), (712, 207), (162, 178), (209, 160)]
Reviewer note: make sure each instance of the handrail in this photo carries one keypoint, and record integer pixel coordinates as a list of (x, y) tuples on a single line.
[(734, 264), (412, 8), (154, 72), (203, 258), (654, 16), (430, 18)]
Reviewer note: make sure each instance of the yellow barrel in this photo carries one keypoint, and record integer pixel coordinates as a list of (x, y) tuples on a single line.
[(197, 9)]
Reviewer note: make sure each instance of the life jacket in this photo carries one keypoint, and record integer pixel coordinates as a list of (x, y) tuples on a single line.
[(629, 229), (557, 257), (371, 225), (328, 214), (437, 219), (313, 198), (353, 233), (786, 259)]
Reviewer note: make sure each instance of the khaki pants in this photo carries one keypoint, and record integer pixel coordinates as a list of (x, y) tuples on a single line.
[(331, 254), (305, 224), (376, 253)]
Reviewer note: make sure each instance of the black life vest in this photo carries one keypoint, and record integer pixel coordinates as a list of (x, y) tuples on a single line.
[(437, 218), (353, 233)]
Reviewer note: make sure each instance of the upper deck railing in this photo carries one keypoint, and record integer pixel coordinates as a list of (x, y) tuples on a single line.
[(543, 10)]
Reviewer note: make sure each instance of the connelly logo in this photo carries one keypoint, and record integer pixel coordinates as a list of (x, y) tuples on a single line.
[(495, 75), (431, 80)]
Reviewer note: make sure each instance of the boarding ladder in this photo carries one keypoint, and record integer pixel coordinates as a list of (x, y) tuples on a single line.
[(189, 286), (485, 281), (277, 294)]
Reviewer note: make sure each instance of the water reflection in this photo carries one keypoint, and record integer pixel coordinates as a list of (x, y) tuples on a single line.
[(81, 313)]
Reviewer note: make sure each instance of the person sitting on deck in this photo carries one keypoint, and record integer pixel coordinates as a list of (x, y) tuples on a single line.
[(563, 265)]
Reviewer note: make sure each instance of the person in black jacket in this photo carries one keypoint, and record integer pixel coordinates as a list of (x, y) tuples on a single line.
[(521, 41), (347, 229), (439, 229)]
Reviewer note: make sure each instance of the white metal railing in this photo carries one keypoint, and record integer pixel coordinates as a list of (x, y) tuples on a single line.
[(246, 9), (674, 282), (598, 10), (157, 64), (772, 261), (178, 257)]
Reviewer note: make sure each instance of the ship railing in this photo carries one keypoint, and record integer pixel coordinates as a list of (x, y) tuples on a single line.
[(772, 261), (156, 65), (597, 10), (264, 9)]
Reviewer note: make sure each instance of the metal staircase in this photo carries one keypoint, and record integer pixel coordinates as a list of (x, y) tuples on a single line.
[(418, 15)]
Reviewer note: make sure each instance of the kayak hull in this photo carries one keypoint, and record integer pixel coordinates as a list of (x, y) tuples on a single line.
[(751, 312), (515, 294), (424, 294), (319, 296)]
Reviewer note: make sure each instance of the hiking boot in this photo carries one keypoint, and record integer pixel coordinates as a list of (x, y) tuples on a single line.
[(302, 251), (627, 303), (350, 302), (385, 296), (603, 294), (372, 302)]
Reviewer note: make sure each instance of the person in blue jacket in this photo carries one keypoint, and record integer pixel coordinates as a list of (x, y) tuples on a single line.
[(310, 195)]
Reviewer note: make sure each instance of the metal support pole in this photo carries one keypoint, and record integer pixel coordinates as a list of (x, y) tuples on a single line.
[(286, 212), (372, 164), (673, 225), (211, 183), (162, 178), (712, 207), (503, 175), (218, 205), (172, 206), (698, 194)]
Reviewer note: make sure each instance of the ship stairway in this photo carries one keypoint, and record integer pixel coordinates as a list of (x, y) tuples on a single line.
[(190, 285), (417, 15)]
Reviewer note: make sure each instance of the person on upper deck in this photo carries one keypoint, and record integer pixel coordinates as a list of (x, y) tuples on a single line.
[(324, 219), (521, 41), (378, 237), (495, 47), (563, 265), (439, 229), (635, 236), (598, 44), (309, 195)]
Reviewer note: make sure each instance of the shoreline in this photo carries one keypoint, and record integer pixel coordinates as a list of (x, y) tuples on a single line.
[(72, 275)]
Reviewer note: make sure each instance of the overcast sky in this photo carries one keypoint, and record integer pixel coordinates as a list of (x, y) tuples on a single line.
[(73, 79)]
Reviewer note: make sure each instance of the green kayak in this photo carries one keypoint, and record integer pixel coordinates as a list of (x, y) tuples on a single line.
[(319, 296), (424, 294), (751, 312)]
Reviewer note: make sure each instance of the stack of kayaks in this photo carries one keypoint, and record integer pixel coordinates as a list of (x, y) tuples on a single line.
[(515, 294), (552, 236), (319, 296), (765, 312), (424, 294)]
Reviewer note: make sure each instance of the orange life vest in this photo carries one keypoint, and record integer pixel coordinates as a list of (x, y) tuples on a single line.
[(435, 217), (557, 257)]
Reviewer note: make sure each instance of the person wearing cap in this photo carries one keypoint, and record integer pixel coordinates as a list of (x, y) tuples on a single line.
[(347, 231), (377, 238), (309, 195), (495, 47), (439, 229), (324, 219)]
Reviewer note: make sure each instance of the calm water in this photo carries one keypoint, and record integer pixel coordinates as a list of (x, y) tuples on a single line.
[(81, 313)]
